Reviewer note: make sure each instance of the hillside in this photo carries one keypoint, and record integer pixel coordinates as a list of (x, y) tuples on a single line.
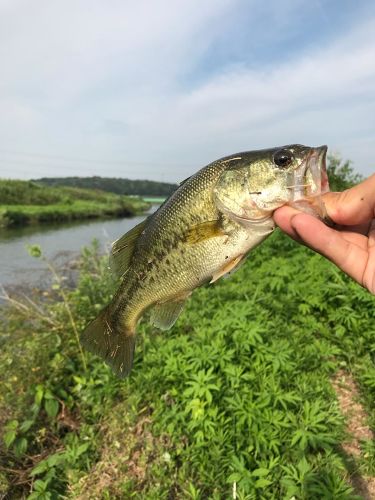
[(25, 202), (113, 185)]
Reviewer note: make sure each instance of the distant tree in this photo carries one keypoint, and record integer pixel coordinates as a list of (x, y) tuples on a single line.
[(341, 174)]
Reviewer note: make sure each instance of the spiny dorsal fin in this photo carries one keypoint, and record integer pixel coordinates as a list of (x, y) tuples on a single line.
[(204, 231), (123, 248), (165, 315)]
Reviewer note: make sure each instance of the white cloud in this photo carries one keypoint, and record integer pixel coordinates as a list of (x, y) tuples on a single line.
[(112, 81)]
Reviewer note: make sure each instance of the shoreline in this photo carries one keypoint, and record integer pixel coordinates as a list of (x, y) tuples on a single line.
[(13, 216), (57, 240)]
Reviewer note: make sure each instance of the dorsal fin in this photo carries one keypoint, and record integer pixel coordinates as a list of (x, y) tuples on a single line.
[(123, 248)]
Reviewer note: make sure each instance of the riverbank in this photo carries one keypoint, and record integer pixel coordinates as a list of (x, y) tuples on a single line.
[(24, 203), (21, 215)]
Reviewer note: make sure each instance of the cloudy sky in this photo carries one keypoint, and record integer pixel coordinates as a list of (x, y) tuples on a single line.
[(157, 89)]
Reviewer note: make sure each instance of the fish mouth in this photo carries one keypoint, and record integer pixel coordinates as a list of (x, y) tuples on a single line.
[(310, 178)]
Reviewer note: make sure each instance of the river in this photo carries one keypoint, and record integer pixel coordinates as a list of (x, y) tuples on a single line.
[(60, 244)]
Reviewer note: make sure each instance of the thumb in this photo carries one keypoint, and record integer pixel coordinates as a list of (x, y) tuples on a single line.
[(352, 206)]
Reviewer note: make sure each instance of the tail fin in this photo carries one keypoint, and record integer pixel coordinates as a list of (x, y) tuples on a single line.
[(115, 347)]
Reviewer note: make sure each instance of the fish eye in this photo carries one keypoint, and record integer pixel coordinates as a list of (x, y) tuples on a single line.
[(283, 158)]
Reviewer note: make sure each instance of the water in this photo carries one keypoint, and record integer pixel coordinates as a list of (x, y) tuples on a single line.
[(60, 244)]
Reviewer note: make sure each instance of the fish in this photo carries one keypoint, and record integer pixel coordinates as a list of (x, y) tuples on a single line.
[(202, 232)]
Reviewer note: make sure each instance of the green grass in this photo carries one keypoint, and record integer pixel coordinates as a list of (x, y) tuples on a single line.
[(237, 395), (24, 202), (154, 199)]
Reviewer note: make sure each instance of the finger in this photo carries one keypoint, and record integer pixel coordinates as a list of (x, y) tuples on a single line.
[(353, 206), (283, 216), (371, 235), (348, 256), (369, 275), (355, 238)]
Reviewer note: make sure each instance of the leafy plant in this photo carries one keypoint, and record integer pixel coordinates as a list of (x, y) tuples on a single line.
[(341, 174), (237, 397)]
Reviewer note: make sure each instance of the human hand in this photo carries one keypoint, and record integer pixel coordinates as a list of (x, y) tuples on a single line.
[(351, 243)]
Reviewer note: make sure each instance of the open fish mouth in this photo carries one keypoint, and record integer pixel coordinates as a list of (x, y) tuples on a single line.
[(310, 179)]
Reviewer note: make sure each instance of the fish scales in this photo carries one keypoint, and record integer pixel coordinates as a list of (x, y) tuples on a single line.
[(167, 249), (202, 232)]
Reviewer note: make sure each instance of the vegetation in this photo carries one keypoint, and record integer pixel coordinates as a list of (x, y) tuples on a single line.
[(341, 174), (154, 199), (24, 202), (113, 185), (236, 401), (239, 392)]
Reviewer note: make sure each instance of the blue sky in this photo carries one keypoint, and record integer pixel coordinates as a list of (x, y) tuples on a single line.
[(159, 89)]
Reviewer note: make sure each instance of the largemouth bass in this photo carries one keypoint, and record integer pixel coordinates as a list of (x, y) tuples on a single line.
[(202, 232)]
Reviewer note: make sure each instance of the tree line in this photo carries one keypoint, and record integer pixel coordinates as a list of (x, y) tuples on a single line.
[(113, 185)]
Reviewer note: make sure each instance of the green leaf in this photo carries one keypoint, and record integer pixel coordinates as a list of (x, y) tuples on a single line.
[(34, 250), (234, 478), (40, 485), (41, 467), (297, 437), (82, 448), (39, 393), (9, 437), (52, 407), (262, 483), (260, 472), (12, 425), (56, 459), (48, 394), (20, 446), (26, 424)]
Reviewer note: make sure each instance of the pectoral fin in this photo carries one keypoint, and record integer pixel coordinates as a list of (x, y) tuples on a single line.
[(123, 248), (165, 315), (229, 267), (204, 231)]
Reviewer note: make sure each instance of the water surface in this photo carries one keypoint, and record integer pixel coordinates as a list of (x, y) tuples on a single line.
[(60, 244)]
